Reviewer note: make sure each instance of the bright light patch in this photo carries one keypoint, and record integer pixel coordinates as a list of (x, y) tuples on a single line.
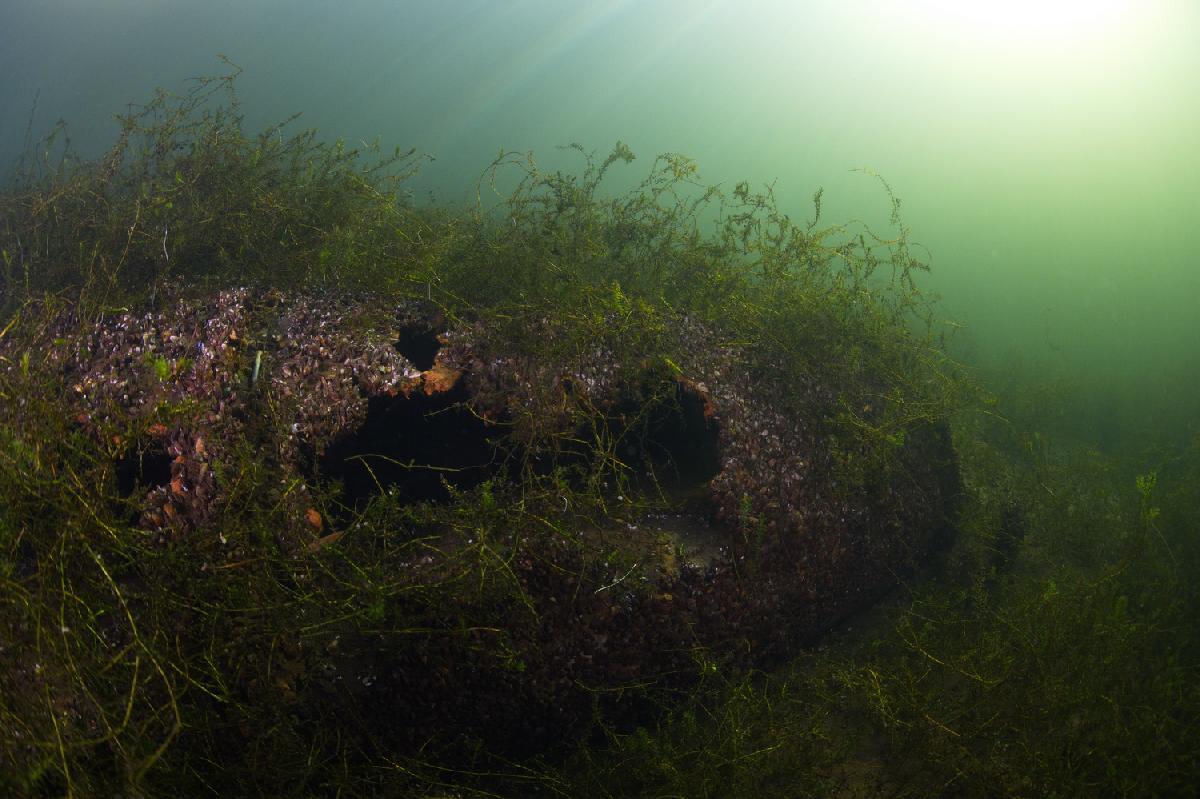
[(1033, 19)]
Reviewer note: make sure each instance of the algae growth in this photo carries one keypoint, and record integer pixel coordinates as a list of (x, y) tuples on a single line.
[(309, 490)]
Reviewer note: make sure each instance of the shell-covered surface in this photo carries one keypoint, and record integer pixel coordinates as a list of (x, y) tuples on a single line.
[(739, 545)]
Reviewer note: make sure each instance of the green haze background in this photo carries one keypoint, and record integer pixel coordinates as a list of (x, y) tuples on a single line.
[(1047, 154)]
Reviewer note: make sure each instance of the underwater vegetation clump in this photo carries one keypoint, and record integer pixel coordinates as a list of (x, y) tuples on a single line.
[(184, 193), (1037, 663), (306, 490)]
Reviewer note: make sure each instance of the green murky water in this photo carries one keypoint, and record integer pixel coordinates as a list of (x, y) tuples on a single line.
[(1045, 160)]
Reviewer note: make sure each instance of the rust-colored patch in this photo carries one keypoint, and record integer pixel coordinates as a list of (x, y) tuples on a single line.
[(324, 541), (440, 379), (313, 517), (700, 391)]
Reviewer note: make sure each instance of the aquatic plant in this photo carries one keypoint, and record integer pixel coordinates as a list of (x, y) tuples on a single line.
[(1061, 667), (184, 194), (201, 563)]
